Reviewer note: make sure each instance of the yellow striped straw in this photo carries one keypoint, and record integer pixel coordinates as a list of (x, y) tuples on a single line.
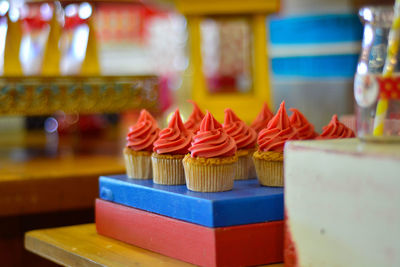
[(380, 116), (390, 63)]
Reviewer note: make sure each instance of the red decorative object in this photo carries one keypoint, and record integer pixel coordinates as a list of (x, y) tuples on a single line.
[(73, 22), (243, 245), (389, 87), (290, 252), (32, 18), (124, 22), (34, 23), (90, 124)]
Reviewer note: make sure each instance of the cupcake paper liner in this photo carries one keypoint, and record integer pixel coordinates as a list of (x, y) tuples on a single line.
[(138, 164), (269, 172), (168, 169), (209, 177), (245, 166), (252, 168)]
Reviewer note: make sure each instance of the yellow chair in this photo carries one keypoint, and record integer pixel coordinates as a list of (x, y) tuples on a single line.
[(246, 104)]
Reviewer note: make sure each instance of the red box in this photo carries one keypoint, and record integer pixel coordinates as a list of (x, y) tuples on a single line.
[(243, 245)]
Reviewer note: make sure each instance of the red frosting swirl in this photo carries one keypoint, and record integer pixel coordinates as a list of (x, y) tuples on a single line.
[(278, 131), (305, 130), (175, 139), (336, 129), (142, 135), (211, 140), (262, 119), (194, 120), (244, 136)]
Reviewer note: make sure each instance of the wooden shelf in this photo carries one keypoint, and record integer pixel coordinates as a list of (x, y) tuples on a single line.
[(35, 180), (80, 245), (43, 95), (46, 184)]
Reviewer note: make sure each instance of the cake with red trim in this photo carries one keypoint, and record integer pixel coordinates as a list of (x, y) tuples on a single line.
[(268, 159), (335, 129), (245, 139), (262, 119), (193, 122), (169, 150), (211, 166), (140, 139), (305, 130)]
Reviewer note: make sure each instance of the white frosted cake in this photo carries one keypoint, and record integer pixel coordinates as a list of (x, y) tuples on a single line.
[(342, 202)]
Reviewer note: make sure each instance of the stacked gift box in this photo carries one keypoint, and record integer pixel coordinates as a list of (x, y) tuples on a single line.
[(241, 227)]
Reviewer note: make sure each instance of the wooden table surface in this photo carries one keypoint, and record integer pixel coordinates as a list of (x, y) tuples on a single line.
[(46, 185), (80, 245), (50, 180), (36, 177)]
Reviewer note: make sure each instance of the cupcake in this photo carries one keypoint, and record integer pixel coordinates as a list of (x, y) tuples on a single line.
[(169, 150), (304, 129), (212, 163), (194, 120), (335, 129), (262, 119), (140, 139), (268, 159), (245, 139)]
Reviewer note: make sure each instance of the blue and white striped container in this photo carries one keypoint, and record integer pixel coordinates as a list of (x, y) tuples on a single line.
[(313, 61)]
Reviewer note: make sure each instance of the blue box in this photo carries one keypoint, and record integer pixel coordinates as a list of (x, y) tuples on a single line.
[(315, 29), (247, 203)]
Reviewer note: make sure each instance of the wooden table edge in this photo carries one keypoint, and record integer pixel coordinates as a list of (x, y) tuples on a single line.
[(43, 244), (35, 244), (82, 197)]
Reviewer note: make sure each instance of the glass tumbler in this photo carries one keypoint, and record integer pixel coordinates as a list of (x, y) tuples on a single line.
[(377, 94)]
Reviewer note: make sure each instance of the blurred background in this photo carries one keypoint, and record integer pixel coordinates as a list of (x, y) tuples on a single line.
[(74, 75)]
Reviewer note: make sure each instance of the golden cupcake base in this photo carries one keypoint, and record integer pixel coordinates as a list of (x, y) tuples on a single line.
[(168, 169), (210, 175), (269, 168), (245, 166), (138, 164)]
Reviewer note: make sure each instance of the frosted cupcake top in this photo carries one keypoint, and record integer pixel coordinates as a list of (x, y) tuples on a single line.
[(175, 139), (194, 120), (211, 140), (244, 136), (142, 135), (278, 131), (336, 129), (305, 130), (262, 119)]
